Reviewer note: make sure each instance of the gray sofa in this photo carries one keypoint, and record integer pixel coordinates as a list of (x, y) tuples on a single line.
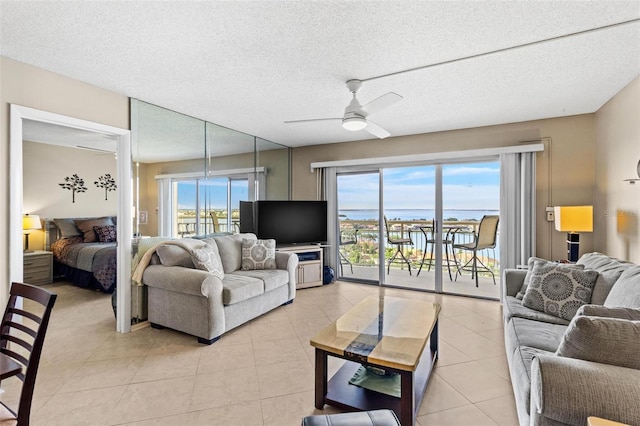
[(564, 371), (198, 302)]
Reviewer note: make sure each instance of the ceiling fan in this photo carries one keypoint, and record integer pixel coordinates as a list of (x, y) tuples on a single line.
[(356, 116)]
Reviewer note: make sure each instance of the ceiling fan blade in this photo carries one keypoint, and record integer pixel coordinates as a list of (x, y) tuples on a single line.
[(376, 130), (381, 103), (312, 119)]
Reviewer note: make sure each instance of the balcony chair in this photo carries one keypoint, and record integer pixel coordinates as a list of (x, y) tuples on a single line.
[(21, 337), (347, 238), (399, 243), (484, 239)]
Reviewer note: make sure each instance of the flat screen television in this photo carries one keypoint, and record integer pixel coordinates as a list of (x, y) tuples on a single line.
[(291, 222)]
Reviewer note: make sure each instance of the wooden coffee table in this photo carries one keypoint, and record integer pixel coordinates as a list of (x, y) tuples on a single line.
[(384, 332)]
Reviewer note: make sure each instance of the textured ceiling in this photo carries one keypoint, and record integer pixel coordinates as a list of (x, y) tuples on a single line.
[(252, 65)]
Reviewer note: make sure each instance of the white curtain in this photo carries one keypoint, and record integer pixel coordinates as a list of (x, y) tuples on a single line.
[(517, 208)]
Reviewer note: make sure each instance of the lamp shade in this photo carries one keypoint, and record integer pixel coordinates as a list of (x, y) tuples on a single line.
[(574, 218), (30, 222)]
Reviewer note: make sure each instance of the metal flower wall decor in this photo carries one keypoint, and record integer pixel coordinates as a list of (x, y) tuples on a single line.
[(75, 184), (106, 182)]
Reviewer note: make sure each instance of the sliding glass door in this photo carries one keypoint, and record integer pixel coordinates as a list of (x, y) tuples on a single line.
[(358, 219)]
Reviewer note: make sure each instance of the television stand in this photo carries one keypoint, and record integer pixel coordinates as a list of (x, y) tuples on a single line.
[(310, 264)]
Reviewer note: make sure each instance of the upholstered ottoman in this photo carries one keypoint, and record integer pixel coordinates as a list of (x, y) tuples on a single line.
[(362, 418)]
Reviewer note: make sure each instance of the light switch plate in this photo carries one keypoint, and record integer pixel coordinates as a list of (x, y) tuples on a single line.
[(550, 215)]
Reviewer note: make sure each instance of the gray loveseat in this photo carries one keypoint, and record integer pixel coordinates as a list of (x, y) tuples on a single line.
[(198, 302), (564, 371)]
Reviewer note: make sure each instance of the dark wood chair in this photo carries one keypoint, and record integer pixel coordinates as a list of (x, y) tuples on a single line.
[(22, 332)]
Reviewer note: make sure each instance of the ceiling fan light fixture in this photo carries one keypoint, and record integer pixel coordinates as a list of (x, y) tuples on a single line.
[(354, 123)]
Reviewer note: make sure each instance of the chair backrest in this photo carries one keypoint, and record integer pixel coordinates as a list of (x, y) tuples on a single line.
[(22, 335), (348, 236), (487, 232), (216, 223)]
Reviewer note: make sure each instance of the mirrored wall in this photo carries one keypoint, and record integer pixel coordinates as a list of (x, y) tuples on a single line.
[(190, 175)]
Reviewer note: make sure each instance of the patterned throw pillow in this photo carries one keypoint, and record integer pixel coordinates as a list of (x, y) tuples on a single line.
[(258, 254), (533, 261), (207, 258), (106, 233), (559, 290)]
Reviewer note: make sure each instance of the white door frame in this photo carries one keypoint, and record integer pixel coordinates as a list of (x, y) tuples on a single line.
[(125, 200)]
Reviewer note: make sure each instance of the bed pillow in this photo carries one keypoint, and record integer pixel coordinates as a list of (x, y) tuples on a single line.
[(558, 290), (67, 228), (538, 261), (258, 254), (207, 258), (604, 340), (106, 234), (86, 226)]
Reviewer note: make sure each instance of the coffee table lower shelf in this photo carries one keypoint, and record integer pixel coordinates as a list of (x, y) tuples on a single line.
[(340, 394)]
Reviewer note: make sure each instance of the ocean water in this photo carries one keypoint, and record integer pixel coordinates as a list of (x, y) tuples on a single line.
[(411, 214)]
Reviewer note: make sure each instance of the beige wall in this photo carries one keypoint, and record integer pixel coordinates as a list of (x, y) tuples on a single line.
[(32, 87), (565, 170), (617, 203), (45, 166)]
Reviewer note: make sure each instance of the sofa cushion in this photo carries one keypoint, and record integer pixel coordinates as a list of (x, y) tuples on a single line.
[(86, 227), (604, 340), (559, 290), (513, 308), (236, 288), (520, 372), (535, 334), (603, 311), (258, 254), (230, 249), (272, 278), (178, 254), (626, 291), (602, 263), (208, 259), (603, 286)]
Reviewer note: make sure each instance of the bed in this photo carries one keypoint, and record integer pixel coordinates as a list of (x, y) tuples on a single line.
[(84, 251)]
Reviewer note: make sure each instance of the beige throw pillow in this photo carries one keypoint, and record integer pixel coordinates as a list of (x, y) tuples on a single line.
[(258, 254), (86, 227)]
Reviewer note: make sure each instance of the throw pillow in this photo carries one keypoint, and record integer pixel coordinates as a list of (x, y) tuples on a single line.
[(603, 286), (86, 226), (207, 258), (625, 293), (559, 290), (258, 254), (604, 340), (106, 234), (67, 228), (603, 311), (530, 264)]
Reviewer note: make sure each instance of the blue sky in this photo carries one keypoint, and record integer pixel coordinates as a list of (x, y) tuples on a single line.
[(213, 193), (465, 186)]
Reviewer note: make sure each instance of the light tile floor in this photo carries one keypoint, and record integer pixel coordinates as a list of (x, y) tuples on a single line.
[(258, 374)]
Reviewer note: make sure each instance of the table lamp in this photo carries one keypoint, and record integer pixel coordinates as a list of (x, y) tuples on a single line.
[(29, 223), (573, 219)]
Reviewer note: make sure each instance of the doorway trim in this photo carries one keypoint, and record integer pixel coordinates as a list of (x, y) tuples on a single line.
[(19, 113)]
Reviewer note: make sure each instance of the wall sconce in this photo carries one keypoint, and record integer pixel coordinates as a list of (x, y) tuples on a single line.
[(634, 180), (573, 219), (29, 223)]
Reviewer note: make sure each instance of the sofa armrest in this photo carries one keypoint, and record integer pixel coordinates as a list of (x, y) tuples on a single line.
[(567, 391), (183, 280), (512, 281), (288, 262)]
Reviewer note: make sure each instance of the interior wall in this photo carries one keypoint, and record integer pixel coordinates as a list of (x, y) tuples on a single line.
[(617, 203), (565, 170), (45, 166), (29, 86)]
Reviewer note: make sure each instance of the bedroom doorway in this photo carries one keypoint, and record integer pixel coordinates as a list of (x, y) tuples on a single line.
[(23, 116)]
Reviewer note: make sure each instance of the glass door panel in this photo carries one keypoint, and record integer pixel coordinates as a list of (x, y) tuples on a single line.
[(213, 204), (470, 192), (239, 192), (358, 216), (186, 195), (409, 211)]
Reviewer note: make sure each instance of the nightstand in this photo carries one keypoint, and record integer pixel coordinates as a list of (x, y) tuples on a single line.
[(38, 267)]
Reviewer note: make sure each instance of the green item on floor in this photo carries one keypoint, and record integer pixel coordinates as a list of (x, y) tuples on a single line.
[(371, 379)]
